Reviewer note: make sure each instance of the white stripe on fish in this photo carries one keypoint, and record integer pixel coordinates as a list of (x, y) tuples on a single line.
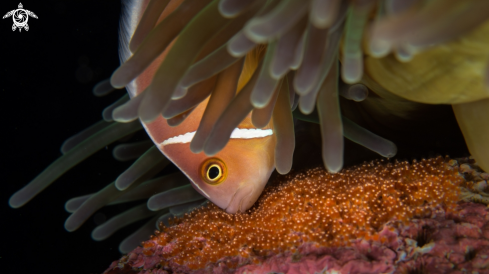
[(238, 133)]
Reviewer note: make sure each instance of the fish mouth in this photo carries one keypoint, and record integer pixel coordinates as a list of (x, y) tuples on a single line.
[(240, 200)]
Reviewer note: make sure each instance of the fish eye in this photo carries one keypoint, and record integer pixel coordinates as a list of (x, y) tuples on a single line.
[(213, 171)]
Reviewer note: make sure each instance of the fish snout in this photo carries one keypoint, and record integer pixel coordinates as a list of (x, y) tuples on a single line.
[(243, 199)]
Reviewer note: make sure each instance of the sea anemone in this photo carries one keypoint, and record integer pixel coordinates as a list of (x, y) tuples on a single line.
[(305, 40), (371, 218)]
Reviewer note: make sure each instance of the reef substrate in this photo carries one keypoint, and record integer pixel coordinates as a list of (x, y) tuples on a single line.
[(379, 217)]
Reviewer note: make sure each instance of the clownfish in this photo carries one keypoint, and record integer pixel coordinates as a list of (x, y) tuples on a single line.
[(234, 177)]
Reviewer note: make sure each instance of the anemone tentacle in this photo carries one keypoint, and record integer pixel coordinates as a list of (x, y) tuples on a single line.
[(108, 228), (109, 134), (103, 88), (131, 151), (150, 160), (107, 112), (81, 136)]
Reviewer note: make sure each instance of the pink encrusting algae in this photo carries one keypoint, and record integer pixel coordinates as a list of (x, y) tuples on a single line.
[(379, 217)]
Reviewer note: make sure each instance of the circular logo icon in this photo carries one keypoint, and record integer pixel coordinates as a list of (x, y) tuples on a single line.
[(20, 17)]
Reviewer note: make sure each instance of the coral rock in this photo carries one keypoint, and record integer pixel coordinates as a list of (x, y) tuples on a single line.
[(378, 217)]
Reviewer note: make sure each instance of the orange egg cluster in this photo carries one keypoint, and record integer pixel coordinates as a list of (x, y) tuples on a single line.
[(310, 207)]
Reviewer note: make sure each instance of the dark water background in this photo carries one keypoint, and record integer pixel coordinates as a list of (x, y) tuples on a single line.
[(46, 78)]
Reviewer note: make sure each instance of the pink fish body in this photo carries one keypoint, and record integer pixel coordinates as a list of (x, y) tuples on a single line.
[(233, 178)]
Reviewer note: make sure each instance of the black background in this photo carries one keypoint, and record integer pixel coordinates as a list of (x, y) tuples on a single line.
[(46, 80)]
